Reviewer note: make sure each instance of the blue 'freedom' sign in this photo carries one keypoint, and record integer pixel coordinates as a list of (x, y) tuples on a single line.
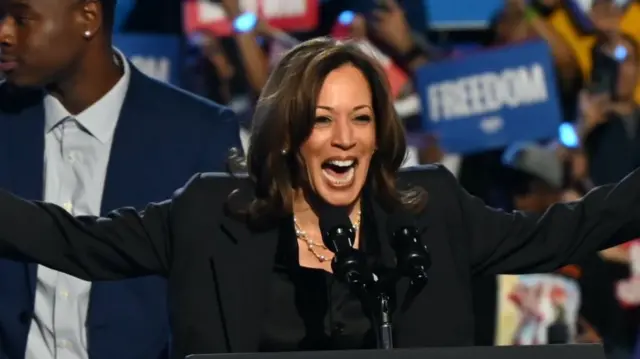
[(491, 99)]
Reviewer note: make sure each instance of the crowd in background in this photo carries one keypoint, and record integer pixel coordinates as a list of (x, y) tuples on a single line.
[(529, 176), (232, 70)]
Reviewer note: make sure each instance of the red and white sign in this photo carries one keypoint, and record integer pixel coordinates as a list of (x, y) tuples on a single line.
[(628, 290), (288, 15)]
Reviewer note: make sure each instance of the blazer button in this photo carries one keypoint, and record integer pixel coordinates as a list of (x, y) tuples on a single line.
[(25, 317)]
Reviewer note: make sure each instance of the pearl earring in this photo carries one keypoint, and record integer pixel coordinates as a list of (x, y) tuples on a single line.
[(284, 151), (87, 33)]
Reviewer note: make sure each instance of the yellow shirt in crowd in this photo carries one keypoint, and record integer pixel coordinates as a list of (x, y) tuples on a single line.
[(582, 43)]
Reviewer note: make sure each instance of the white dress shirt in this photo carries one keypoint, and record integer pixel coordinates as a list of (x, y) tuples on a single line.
[(76, 155)]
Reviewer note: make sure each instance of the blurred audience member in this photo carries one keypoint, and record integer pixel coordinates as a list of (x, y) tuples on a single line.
[(212, 70), (609, 122), (390, 26), (521, 21), (536, 176), (606, 16)]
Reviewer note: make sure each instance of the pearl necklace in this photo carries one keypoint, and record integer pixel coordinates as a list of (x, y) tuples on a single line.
[(312, 245)]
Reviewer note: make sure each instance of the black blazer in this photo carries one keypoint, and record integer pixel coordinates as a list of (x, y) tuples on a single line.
[(218, 269)]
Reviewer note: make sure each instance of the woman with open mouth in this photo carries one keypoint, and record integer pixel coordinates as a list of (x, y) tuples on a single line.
[(247, 267)]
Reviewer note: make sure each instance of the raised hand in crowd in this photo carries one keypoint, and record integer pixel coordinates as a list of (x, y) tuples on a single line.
[(533, 25), (217, 56), (513, 24), (210, 71), (358, 28), (231, 7), (254, 61), (593, 109), (390, 26)]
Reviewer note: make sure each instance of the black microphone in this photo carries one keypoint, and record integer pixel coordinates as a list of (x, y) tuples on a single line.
[(412, 255), (338, 235)]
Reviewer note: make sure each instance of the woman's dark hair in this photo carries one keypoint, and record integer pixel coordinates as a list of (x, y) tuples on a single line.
[(284, 118)]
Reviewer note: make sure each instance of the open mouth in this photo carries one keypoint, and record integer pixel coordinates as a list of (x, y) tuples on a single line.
[(340, 172)]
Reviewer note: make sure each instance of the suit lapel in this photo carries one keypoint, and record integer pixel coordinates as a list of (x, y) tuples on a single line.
[(26, 158), (243, 263), (380, 219), (387, 252), (130, 149)]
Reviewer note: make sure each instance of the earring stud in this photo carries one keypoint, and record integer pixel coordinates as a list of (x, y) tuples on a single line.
[(87, 33), (284, 151)]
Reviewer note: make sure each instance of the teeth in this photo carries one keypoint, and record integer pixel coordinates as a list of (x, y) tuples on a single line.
[(346, 163), (340, 181)]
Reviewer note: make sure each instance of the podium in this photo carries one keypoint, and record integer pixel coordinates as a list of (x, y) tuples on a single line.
[(556, 351)]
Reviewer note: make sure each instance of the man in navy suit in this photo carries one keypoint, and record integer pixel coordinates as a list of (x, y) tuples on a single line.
[(81, 127)]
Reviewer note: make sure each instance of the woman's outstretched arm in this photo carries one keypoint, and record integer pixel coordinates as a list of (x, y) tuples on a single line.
[(125, 243)]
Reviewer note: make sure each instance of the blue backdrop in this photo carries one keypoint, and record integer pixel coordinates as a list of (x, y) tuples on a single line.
[(490, 99), (156, 55), (123, 9), (460, 13)]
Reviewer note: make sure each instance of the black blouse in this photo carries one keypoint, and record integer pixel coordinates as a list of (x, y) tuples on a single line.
[(309, 309)]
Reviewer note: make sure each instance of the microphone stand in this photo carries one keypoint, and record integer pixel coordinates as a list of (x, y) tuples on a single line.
[(386, 328), (413, 261), (381, 310), (372, 293), (384, 325), (350, 266)]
